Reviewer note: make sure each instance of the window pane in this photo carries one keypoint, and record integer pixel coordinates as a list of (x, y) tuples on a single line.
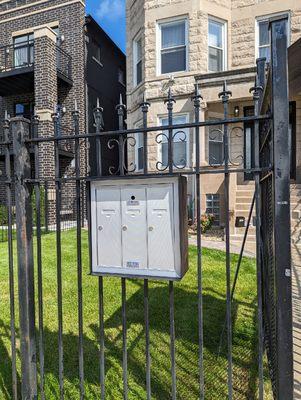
[(264, 52), (215, 153), (138, 50), (215, 60), (140, 158), (213, 209), (164, 153), (180, 142), (139, 72), (173, 34), (179, 153), (264, 33), (21, 39), (173, 60), (215, 34)]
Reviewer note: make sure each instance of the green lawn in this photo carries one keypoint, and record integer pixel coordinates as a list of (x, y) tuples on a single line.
[(244, 328)]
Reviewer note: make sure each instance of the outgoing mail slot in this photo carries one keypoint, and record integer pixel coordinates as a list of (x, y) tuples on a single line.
[(139, 228)]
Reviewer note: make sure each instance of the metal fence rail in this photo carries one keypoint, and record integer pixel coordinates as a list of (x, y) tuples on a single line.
[(273, 270)]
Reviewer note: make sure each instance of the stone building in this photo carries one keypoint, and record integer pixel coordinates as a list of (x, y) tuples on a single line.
[(51, 55), (178, 43)]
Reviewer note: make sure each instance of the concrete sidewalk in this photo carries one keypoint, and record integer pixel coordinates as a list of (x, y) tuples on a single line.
[(220, 245)]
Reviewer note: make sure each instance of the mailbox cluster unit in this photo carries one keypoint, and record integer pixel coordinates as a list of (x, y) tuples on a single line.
[(139, 227)]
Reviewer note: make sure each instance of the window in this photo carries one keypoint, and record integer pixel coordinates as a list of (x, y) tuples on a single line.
[(173, 46), (217, 45), (263, 37), (121, 76), (263, 40), (216, 144), (139, 152), (213, 207), (137, 52), (96, 52), (24, 110), (23, 50), (180, 142)]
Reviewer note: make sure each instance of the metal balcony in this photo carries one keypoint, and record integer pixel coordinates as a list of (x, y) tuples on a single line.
[(17, 68)]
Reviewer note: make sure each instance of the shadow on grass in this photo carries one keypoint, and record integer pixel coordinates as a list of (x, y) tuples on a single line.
[(186, 321)]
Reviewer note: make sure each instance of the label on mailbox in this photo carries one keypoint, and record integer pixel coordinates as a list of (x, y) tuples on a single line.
[(132, 264)]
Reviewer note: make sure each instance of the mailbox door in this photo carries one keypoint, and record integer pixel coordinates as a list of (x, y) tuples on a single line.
[(108, 227), (160, 227), (134, 233)]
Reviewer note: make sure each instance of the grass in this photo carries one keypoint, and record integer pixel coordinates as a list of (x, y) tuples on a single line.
[(215, 364)]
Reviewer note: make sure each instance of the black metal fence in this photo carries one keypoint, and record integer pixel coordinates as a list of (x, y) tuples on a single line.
[(273, 319)]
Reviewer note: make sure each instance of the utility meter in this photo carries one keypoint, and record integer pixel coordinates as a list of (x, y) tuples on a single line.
[(139, 227)]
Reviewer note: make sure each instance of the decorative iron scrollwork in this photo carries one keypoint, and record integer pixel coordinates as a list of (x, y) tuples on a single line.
[(237, 132)]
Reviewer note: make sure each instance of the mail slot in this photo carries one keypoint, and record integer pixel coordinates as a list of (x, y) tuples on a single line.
[(240, 222), (139, 228)]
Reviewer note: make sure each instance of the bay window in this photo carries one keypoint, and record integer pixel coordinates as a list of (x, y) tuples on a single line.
[(263, 36), (216, 45), (139, 149), (137, 53), (173, 46), (180, 142)]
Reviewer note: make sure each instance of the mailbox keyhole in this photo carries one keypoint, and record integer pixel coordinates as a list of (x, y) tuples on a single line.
[(133, 197)]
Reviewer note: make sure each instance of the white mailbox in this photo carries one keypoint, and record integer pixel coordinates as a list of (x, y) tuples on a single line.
[(139, 227)]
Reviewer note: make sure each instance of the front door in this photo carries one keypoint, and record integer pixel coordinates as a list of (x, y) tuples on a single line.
[(249, 156)]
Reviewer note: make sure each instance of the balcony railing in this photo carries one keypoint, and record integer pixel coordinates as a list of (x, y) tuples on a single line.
[(22, 55), (63, 62)]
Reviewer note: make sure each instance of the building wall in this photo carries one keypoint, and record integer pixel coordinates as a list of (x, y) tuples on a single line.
[(18, 18), (103, 84)]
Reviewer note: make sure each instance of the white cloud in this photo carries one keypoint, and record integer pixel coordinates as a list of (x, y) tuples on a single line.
[(111, 9)]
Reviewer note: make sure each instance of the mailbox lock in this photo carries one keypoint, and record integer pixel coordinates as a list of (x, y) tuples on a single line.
[(100, 228), (124, 228), (151, 228)]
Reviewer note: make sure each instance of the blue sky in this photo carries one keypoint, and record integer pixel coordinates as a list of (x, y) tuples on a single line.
[(110, 14)]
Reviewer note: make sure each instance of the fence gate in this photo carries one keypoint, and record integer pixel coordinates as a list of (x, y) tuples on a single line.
[(87, 336)]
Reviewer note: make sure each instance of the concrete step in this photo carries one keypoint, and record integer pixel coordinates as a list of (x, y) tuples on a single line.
[(244, 199), (242, 206), (241, 231)]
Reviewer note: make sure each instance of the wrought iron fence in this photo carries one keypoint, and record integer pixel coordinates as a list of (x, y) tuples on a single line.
[(273, 316)]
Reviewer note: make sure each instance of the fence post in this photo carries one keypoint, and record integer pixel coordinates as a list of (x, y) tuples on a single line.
[(282, 227), (22, 171)]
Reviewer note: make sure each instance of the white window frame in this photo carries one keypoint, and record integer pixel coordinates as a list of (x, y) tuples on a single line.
[(135, 60), (159, 152), (171, 21), (224, 41), (138, 125), (263, 18)]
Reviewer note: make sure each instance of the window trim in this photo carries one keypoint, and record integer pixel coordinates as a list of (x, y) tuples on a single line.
[(262, 18), (159, 147), (159, 25), (224, 24), (136, 39), (138, 125)]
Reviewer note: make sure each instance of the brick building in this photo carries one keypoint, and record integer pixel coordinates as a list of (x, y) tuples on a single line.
[(50, 54)]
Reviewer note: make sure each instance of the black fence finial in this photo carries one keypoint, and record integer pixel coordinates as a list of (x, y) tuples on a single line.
[(225, 94), (256, 90), (197, 97)]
